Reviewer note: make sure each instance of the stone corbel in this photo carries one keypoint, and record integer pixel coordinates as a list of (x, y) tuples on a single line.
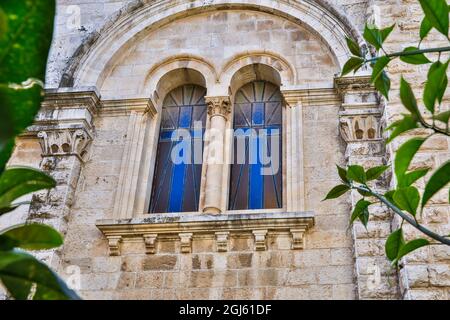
[(185, 242), (114, 245), (298, 236), (222, 239), (260, 240), (150, 243)]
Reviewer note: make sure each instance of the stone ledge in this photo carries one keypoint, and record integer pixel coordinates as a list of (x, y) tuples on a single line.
[(185, 227)]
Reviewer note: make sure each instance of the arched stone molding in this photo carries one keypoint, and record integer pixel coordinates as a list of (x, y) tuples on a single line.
[(90, 61), (274, 68), (165, 75)]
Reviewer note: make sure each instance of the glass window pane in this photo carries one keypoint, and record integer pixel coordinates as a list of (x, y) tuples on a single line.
[(176, 186), (250, 187)]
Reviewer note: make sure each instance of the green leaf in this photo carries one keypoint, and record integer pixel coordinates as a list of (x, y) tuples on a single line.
[(390, 196), (376, 172), (407, 199), (337, 191), (20, 103), (404, 156), (375, 36), (364, 193), (416, 58), (352, 64), (393, 244), (379, 66), (383, 84), (425, 28), (342, 174), (410, 247), (34, 237), (411, 177), (19, 271), (361, 212), (356, 173), (408, 98), (17, 182), (436, 85), (3, 24), (436, 11), (439, 179), (24, 50), (443, 116), (6, 244), (401, 126), (353, 47)]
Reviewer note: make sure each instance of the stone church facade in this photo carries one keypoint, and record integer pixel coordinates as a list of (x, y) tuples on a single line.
[(112, 66)]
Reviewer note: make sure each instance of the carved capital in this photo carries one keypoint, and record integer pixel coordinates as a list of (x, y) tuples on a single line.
[(150, 243), (114, 245), (218, 106), (260, 240), (64, 142), (185, 242), (222, 241), (358, 128)]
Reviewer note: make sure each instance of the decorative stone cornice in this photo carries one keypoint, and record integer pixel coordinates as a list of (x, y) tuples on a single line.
[(62, 98), (354, 83), (125, 106), (218, 106), (223, 228), (310, 96), (64, 142)]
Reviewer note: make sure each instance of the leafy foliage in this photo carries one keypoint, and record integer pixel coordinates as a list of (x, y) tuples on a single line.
[(405, 199), (26, 29)]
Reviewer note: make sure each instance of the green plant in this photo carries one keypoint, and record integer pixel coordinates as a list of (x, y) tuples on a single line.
[(26, 29), (405, 200)]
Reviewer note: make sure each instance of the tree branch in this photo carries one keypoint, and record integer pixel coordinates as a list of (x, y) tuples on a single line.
[(405, 216)]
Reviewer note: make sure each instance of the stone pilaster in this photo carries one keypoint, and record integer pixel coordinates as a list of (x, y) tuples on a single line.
[(295, 181), (140, 111), (219, 109), (65, 132), (361, 130)]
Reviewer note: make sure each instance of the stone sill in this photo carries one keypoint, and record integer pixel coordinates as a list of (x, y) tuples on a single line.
[(185, 227)]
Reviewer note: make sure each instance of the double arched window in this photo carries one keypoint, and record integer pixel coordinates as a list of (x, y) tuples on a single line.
[(256, 170)]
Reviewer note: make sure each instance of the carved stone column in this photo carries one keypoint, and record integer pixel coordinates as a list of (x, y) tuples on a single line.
[(219, 109), (64, 128), (361, 129)]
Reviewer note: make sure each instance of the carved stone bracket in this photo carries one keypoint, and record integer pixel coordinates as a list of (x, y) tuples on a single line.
[(222, 239), (298, 238), (114, 245), (221, 229), (150, 243), (260, 240), (185, 242), (218, 106), (64, 142)]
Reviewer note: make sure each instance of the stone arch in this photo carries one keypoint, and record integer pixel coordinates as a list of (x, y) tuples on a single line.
[(177, 70), (255, 65), (174, 79), (90, 61)]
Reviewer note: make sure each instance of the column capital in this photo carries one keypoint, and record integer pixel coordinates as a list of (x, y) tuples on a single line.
[(218, 105), (64, 142)]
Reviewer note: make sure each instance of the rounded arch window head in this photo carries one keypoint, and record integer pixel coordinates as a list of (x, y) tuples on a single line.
[(175, 79), (252, 73)]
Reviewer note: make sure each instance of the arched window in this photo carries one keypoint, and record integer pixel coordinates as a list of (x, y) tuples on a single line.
[(256, 172), (176, 182)]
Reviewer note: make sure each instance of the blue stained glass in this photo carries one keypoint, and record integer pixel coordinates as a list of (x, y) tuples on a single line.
[(251, 188), (258, 114), (176, 186)]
